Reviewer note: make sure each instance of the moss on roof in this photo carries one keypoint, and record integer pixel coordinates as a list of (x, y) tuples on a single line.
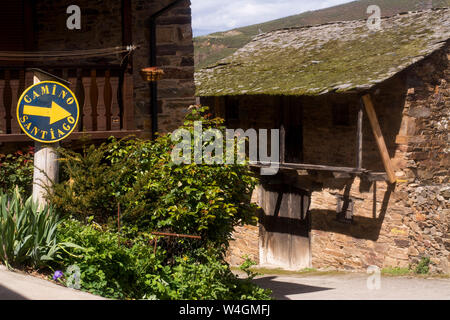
[(338, 57)]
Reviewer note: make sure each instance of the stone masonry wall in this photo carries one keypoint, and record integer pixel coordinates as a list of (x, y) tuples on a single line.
[(175, 55), (397, 227), (101, 27), (428, 166), (245, 243)]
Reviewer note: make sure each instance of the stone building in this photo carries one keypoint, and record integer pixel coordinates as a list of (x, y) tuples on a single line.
[(364, 141), (102, 61)]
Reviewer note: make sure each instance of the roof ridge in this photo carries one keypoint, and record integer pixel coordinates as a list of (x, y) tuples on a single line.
[(346, 21), (340, 57)]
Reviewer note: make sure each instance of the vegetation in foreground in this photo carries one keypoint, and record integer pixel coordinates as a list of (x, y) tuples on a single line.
[(95, 249)]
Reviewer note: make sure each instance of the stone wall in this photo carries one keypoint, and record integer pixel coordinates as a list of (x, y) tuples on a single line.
[(175, 55), (377, 235), (393, 226), (245, 244), (102, 28), (428, 161)]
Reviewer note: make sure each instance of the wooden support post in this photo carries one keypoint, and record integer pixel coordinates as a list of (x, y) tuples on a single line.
[(282, 127), (359, 137), (128, 105), (379, 138), (46, 165), (45, 170)]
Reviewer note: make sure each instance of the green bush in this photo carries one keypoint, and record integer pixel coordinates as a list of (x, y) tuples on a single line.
[(199, 276), (131, 270), (17, 170), (27, 233), (155, 194), (423, 267), (107, 269), (87, 187)]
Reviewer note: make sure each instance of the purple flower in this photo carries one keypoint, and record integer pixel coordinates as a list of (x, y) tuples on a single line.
[(58, 274)]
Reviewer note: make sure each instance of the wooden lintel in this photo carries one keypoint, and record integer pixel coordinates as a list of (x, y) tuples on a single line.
[(379, 138), (312, 167), (338, 172)]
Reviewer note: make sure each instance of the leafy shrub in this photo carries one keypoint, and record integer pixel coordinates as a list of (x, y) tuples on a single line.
[(87, 187), (27, 233), (107, 269), (246, 267), (423, 267), (17, 170), (134, 271), (199, 276), (156, 194)]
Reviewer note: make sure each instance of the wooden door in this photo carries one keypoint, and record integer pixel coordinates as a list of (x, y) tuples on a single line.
[(285, 227)]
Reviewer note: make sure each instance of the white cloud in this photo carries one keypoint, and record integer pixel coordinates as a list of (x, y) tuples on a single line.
[(220, 15)]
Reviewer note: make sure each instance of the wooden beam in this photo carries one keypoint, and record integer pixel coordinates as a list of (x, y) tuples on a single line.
[(379, 138), (128, 103), (338, 172), (281, 125), (303, 166), (94, 135), (359, 137)]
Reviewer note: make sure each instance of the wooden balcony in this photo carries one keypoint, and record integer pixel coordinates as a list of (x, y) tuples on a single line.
[(104, 93)]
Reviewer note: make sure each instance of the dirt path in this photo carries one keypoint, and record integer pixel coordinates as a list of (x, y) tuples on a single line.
[(353, 287)]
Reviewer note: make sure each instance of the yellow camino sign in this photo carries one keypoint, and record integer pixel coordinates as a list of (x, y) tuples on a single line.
[(48, 111)]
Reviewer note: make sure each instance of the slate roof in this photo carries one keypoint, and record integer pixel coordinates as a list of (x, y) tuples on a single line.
[(338, 56)]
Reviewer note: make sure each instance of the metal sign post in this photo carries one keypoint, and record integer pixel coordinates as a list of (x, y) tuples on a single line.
[(47, 112)]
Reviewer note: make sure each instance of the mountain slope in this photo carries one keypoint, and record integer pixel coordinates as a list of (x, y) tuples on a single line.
[(216, 46)]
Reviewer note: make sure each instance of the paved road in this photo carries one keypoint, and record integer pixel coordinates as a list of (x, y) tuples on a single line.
[(354, 287), (18, 286)]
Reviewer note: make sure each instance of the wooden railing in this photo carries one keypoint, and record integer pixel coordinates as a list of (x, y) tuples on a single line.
[(104, 93)]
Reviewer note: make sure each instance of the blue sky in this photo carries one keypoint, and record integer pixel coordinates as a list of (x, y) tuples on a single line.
[(220, 15)]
